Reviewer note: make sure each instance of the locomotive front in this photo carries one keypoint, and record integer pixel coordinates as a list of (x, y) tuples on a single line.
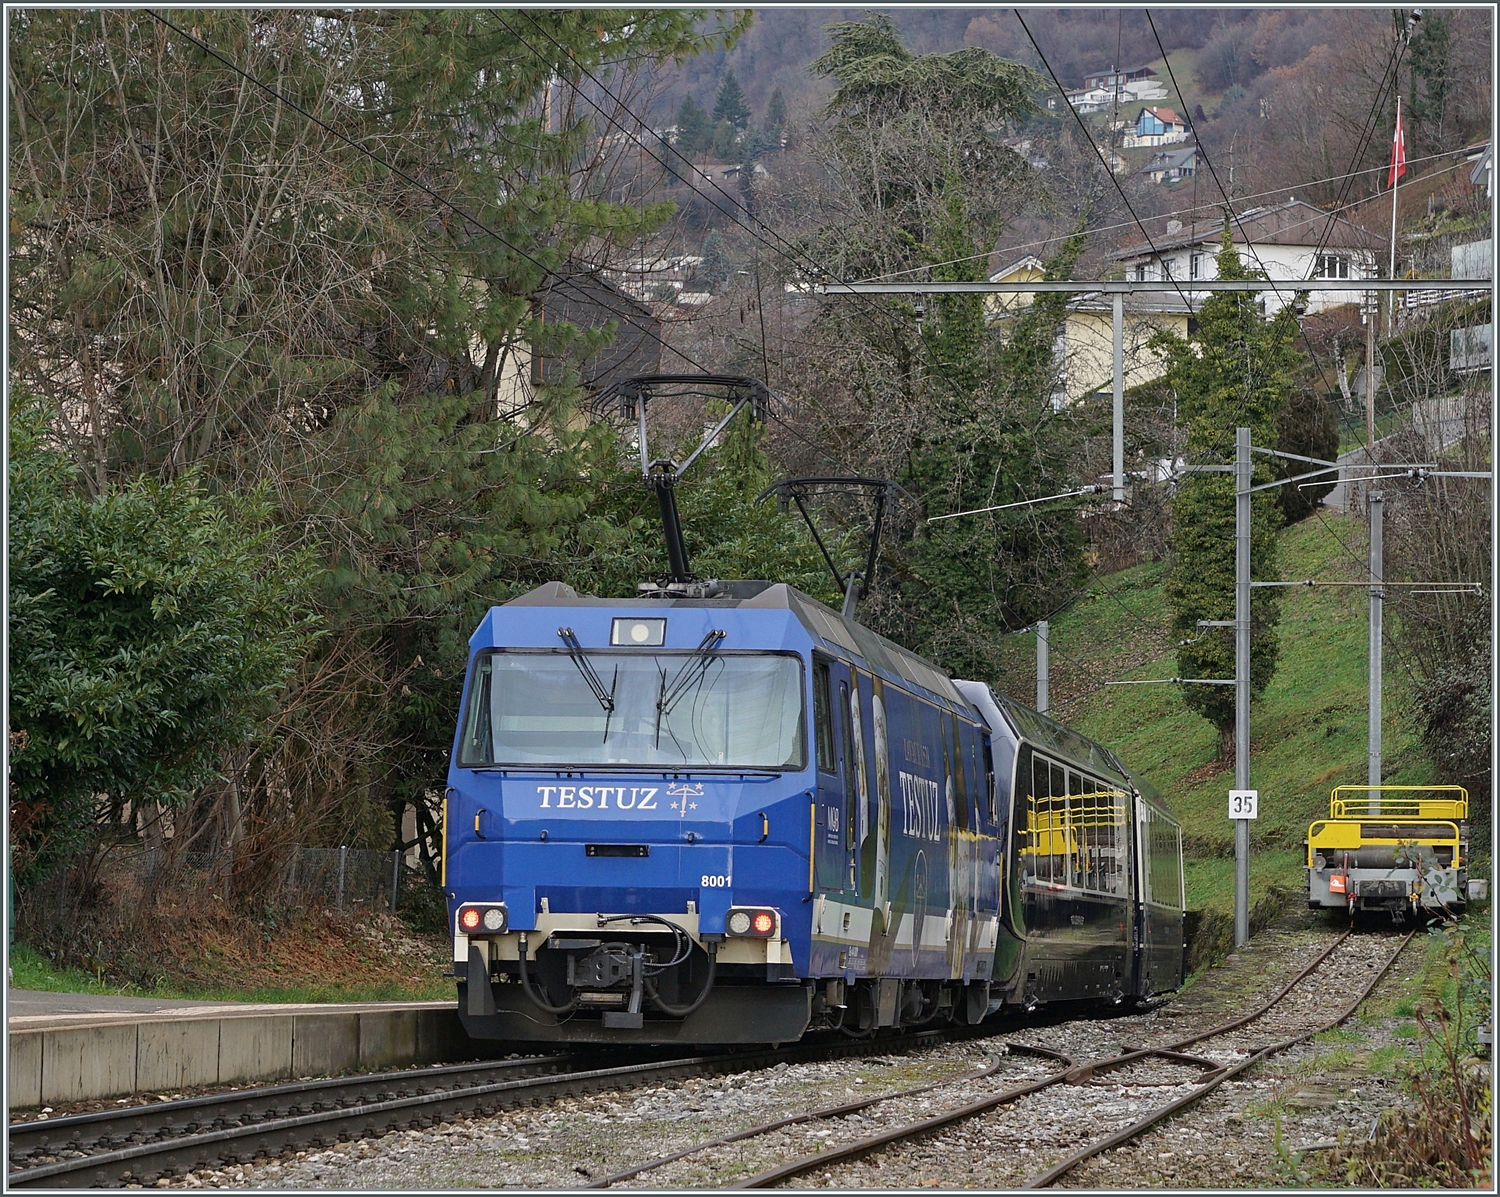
[(626, 836)]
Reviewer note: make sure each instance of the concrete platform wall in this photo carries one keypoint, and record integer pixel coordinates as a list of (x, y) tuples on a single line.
[(51, 1066)]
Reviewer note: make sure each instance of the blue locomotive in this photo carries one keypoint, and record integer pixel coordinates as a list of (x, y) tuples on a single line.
[(729, 814)]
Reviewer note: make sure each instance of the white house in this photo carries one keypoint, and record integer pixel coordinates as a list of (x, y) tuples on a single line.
[(1088, 99), (1290, 241), (1133, 83), (1113, 77), (1156, 126), (1084, 347), (1142, 89)]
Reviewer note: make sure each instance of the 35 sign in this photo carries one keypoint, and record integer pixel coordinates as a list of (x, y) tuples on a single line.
[(1244, 804)]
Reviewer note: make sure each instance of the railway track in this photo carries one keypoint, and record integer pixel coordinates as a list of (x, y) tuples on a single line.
[(1301, 1008), (845, 1109), (143, 1143)]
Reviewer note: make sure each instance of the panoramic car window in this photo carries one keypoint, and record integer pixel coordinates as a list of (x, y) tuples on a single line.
[(674, 710)]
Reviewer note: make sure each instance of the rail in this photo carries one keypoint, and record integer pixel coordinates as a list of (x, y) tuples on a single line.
[(1211, 1083), (1212, 1077), (245, 1124)]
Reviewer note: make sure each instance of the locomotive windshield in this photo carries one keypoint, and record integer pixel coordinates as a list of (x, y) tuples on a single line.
[(668, 710)]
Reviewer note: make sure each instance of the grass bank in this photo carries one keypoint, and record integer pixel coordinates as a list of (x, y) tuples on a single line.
[(368, 958), (1308, 729)]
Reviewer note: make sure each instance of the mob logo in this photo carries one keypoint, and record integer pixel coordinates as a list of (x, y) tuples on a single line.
[(597, 797)]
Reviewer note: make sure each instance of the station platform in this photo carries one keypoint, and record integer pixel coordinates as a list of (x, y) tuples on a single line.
[(67, 1047)]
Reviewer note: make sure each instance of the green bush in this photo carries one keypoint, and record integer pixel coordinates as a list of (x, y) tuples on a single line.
[(151, 629)]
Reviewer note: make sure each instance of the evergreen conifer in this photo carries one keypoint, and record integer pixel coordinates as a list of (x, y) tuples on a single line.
[(776, 113), (714, 272), (730, 105), (1235, 370), (694, 128)]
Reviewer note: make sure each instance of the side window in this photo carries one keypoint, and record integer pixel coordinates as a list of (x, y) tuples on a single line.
[(1079, 857), (1061, 837), (1164, 872), (823, 718), (989, 783), (1109, 838), (1085, 818), (1124, 844), (956, 775), (477, 746), (1036, 854)]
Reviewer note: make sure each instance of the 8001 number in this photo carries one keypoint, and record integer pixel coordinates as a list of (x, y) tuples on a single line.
[(714, 882)]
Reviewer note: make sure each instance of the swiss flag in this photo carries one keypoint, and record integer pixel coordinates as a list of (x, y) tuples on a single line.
[(1398, 152)]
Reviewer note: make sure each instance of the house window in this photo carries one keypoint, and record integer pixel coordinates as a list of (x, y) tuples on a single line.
[(1195, 266), (1333, 266), (1140, 272)]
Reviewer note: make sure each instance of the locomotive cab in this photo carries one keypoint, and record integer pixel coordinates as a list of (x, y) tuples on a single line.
[(626, 820)]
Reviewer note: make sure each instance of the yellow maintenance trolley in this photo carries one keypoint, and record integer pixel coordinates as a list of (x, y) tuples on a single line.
[(1403, 849)]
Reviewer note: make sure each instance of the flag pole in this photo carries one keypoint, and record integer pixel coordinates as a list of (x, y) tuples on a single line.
[(1398, 165)]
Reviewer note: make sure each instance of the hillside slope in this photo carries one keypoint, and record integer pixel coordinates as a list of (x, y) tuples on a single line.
[(1308, 729)]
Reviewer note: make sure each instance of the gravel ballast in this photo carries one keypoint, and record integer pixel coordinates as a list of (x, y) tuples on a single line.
[(1252, 1132)]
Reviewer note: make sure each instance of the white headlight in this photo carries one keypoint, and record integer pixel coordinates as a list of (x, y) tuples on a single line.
[(739, 922), (646, 632), (494, 919)]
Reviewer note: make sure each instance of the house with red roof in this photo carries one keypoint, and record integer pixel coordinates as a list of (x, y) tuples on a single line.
[(1156, 126)]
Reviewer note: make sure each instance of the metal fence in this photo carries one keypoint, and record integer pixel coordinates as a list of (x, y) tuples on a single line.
[(342, 878)]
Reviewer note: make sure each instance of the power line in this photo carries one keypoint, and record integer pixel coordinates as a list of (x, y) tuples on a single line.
[(790, 253), (1388, 80), (1187, 305), (1188, 212), (1108, 169), (562, 279), (1229, 205)]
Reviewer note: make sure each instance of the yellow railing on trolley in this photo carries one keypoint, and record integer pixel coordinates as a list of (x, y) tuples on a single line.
[(1333, 836), (1396, 802)]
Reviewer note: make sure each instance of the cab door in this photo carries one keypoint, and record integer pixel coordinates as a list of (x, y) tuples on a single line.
[(828, 823)]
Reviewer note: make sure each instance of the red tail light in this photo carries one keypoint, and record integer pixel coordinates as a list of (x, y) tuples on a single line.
[(483, 919), (756, 922)]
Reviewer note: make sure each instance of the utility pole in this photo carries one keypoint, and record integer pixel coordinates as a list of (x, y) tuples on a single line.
[(1243, 470), (1043, 678), (1119, 396), (1377, 613)]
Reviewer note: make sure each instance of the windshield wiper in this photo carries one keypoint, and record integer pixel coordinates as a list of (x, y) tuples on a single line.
[(689, 675), (580, 659)]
